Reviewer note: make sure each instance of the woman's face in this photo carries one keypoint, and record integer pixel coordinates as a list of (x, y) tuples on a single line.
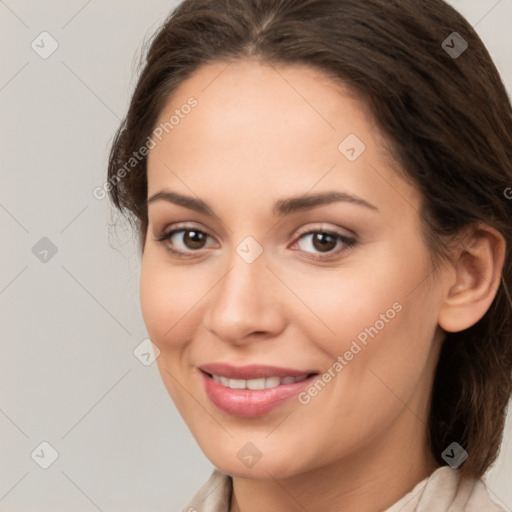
[(273, 281)]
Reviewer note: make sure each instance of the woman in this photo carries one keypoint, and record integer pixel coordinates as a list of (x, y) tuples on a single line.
[(319, 188)]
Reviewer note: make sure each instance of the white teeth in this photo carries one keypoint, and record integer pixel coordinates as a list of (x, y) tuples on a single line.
[(272, 382), (255, 384), (237, 383)]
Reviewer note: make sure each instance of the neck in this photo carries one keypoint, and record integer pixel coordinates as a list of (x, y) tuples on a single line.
[(370, 480)]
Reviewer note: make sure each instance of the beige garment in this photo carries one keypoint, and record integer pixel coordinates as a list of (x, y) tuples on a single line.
[(437, 493)]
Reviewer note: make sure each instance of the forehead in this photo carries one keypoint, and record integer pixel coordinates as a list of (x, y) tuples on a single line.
[(257, 129), (249, 98)]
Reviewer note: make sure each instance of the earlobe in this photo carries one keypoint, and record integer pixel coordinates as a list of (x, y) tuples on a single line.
[(474, 279)]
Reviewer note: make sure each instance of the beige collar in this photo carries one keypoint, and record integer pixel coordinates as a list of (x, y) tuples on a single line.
[(440, 492)]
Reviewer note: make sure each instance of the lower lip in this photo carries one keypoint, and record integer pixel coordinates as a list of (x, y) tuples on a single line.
[(249, 403)]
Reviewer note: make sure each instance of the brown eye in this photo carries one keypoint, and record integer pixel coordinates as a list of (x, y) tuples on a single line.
[(184, 241), (324, 242), (194, 239)]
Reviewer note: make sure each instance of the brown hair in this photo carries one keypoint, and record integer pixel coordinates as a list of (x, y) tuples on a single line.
[(449, 121)]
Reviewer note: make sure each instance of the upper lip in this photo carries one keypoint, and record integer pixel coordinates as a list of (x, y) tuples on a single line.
[(251, 371)]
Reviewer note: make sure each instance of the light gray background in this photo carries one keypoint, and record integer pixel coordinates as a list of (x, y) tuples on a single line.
[(68, 373)]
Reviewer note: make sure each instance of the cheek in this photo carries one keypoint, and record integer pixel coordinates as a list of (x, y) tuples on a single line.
[(167, 298), (349, 304), (379, 316), (381, 297), (383, 366), (167, 301)]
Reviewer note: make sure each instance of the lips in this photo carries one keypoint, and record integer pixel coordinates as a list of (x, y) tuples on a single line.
[(252, 390), (252, 371)]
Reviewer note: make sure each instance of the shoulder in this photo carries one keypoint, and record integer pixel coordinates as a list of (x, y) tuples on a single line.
[(213, 496), (445, 491)]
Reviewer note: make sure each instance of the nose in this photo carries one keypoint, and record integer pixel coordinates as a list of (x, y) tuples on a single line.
[(246, 303)]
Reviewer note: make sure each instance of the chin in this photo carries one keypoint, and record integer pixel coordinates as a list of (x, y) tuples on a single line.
[(246, 461)]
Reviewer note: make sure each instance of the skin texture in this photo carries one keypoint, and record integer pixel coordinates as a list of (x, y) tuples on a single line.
[(259, 134)]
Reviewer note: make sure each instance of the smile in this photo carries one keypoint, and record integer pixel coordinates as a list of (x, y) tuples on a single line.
[(253, 390), (255, 384)]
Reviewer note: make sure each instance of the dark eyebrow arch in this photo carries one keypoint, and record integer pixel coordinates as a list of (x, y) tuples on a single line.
[(281, 208), (191, 203), (306, 202)]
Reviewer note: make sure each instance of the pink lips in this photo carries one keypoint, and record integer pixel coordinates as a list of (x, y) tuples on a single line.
[(247, 402)]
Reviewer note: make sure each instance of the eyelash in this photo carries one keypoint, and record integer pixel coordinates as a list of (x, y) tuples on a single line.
[(348, 242)]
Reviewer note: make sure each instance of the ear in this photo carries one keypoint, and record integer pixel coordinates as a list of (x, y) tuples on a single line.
[(474, 278)]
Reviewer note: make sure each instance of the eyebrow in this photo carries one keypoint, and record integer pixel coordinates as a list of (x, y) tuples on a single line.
[(281, 207)]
